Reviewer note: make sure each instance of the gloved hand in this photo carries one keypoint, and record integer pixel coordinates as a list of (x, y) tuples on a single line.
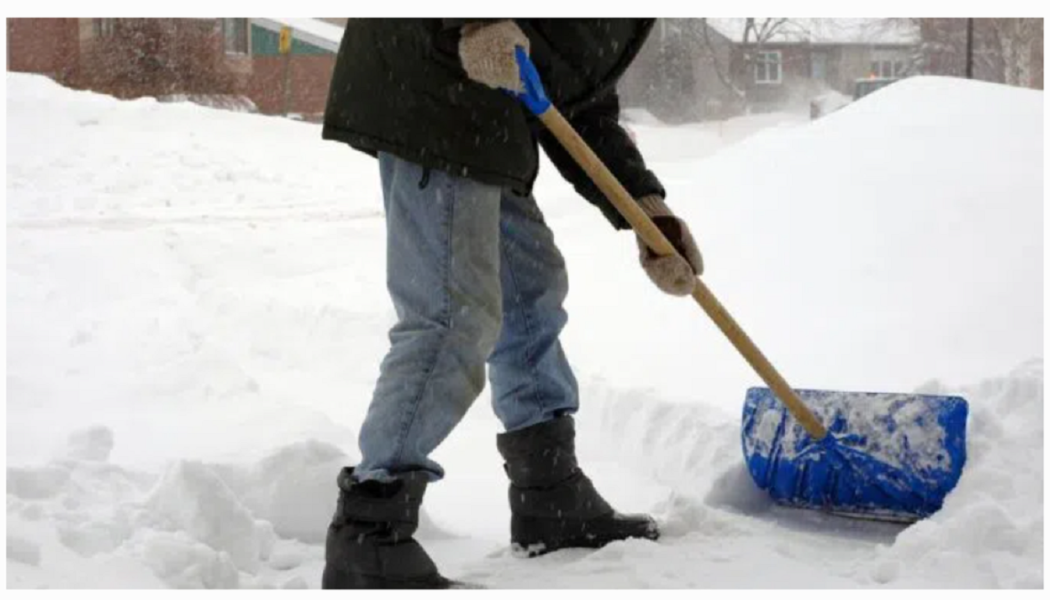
[(674, 275), (487, 53)]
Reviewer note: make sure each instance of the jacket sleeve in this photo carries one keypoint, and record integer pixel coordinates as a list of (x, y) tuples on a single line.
[(599, 125)]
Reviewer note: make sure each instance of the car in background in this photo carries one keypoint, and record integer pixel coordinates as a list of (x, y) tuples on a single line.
[(863, 87)]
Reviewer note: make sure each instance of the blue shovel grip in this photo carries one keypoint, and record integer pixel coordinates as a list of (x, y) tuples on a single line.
[(534, 97)]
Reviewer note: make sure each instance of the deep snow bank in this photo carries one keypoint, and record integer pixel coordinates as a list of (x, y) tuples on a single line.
[(989, 533), (895, 241), (207, 287)]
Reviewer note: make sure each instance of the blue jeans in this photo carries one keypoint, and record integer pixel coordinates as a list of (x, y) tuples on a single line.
[(475, 277)]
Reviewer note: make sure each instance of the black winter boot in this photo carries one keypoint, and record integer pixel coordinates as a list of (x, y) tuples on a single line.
[(370, 541), (553, 504)]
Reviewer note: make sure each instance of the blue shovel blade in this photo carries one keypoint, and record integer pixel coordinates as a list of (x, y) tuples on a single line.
[(887, 456)]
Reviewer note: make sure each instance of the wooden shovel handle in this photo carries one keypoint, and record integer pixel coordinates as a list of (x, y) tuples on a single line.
[(656, 240)]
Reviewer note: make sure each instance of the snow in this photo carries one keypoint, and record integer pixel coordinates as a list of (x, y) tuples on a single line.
[(639, 116), (93, 443), (828, 102), (197, 310), (689, 142), (900, 430), (192, 498), (23, 551)]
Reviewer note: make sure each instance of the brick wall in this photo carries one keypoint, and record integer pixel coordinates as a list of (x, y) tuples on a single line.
[(48, 46), (309, 76), (65, 49)]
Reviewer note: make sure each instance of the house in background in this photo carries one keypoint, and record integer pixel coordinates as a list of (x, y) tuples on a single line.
[(315, 43), (806, 57), (697, 69), (231, 62)]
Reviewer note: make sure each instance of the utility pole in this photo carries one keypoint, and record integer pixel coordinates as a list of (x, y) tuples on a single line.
[(969, 48)]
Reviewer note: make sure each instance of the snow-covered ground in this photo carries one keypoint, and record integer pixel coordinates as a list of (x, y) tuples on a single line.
[(196, 312)]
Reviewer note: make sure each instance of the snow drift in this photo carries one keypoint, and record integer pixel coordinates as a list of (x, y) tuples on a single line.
[(196, 312)]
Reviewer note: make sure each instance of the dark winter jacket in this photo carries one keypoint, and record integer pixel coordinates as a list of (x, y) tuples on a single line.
[(398, 87)]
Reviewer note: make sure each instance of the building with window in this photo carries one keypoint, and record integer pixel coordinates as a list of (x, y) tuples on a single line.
[(698, 69), (222, 62), (769, 67), (803, 58)]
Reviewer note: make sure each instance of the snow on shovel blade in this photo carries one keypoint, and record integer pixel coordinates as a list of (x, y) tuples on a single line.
[(886, 456)]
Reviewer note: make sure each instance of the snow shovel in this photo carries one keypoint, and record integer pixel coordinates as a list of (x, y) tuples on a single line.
[(869, 455)]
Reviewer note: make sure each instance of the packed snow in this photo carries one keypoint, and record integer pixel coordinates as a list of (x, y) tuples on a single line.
[(899, 430), (197, 311)]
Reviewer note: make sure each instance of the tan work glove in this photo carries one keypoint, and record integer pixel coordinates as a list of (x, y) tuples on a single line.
[(487, 53), (675, 275)]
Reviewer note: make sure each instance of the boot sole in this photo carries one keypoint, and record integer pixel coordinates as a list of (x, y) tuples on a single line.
[(332, 579), (548, 541)]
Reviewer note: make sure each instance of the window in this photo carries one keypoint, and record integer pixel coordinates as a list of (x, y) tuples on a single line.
[(767, 67), (235, 36), (103, 28), (887, 68)]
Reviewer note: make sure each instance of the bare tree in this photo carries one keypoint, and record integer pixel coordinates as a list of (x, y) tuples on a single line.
[(1017, 42), (756, 34), (722, 67), (156, 57), (671, 81), (674, 62), (1006, 50)]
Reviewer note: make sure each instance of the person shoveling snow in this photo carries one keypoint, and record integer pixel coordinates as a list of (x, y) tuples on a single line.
[(475, 277)]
